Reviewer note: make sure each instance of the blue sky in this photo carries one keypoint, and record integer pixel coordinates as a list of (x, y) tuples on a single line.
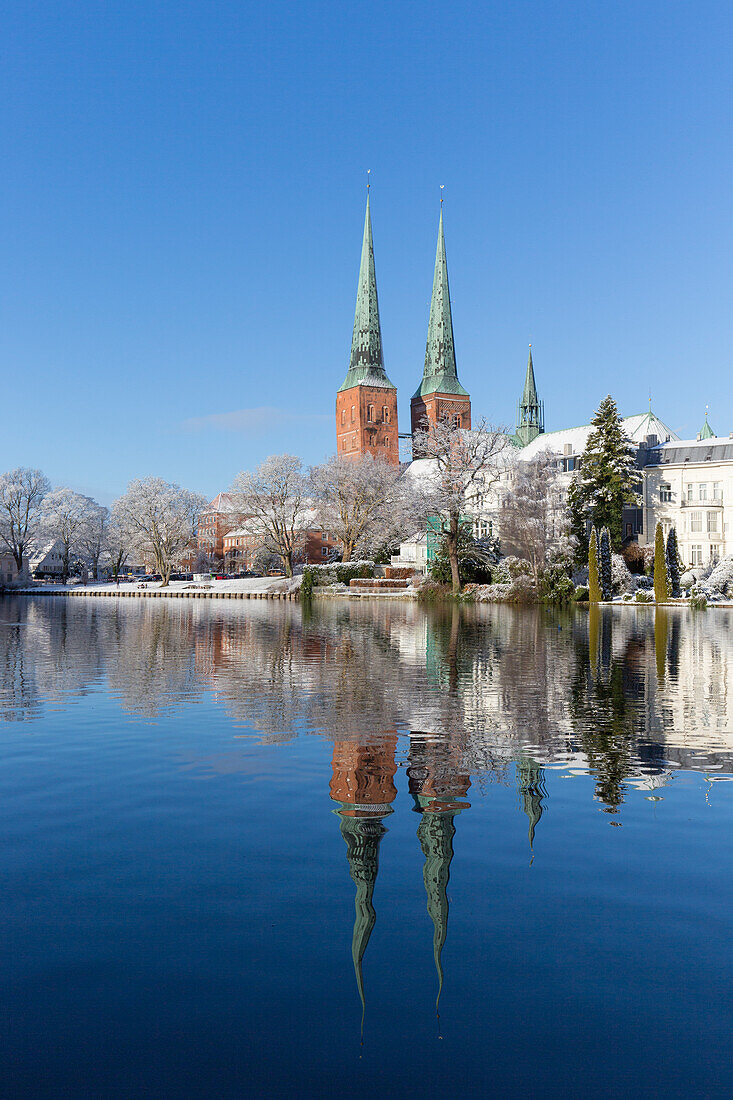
[(182, 199)]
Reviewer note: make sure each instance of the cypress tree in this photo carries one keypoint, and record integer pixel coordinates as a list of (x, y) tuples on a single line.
[(605, 564), (673, 563), (595, 594), (607, 478), (661, 580)]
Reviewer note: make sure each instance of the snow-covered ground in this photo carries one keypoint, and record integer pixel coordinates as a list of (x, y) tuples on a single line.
[(245, 584)]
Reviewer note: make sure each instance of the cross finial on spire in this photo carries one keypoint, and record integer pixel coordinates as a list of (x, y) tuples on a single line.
[(368, 180), (441, 193)]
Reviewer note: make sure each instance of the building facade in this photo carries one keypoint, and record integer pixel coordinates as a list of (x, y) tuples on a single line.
[(214, 523)]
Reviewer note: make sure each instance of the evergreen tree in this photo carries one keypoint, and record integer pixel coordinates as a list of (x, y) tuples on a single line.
[(661, 580), (673, 563), (605, 564), (607, 478), (578, 523), (595, 595)]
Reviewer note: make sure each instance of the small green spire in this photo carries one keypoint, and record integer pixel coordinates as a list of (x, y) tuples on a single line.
[(366, 366), (530, 411), (707, 432), (440, 374)]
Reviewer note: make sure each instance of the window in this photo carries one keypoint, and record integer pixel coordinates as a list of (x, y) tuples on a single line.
[(353, 413), (459, 420), (665, 492), (385, 414), (714, 552), (324, 535), (696, 555), (717, 491), (702, 491), (370, 414), (343, 416), (696, 522), (324, 551), (713, 523), (688, 489)]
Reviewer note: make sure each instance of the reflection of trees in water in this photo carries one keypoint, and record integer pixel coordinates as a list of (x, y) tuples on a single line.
[(621, 685)]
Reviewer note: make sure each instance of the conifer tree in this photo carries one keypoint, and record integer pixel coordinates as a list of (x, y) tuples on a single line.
[(595, 595), (605, 564), (607, 478), (661, 581), (673, 563)]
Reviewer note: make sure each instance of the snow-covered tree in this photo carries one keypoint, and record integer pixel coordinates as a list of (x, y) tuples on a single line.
[(533, 519), (721, 577), (607, 478), (461, 462), (605, 565), (361, 501), (673, 563), (119, 541), (661, 581), (93, 538), (65, 515), (159, 521), (595, 593), (21, 499), (273, 497)]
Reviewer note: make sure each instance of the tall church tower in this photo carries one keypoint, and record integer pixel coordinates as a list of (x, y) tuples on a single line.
[(530, 410), (366, 402), (440, 395)]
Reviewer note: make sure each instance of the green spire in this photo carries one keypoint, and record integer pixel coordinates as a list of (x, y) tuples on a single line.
[(362, 836), (435, 833), (530, 411), (440, 375), (530, 780), (366, 367), (707, 432)]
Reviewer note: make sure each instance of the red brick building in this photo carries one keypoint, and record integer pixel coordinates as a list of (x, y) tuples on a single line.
[(314, 545), (214, 523)]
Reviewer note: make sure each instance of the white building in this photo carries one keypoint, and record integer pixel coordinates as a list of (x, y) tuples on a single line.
[(46, 560), (688, 484)]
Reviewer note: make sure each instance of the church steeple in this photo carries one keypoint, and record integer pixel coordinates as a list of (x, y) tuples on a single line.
[(366, 401), (366, 366), (530, 411), (440, 395)]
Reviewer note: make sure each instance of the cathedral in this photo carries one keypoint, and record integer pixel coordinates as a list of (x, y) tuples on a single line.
[(366, 402)]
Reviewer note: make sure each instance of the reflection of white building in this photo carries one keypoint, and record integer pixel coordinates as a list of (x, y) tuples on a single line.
[(688, 484)]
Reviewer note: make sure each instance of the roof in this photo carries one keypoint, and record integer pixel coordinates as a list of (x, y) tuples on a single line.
[(222, 502), (637, 427), (366, 366), (440, 374), (307, 520), (679, 451)]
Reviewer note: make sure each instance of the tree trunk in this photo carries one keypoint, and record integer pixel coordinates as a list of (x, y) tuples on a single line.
[(451, 545), (288, 563), (348, 551)]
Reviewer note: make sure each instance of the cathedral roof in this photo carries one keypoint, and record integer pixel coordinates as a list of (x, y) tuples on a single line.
[(366, 366), (440, 374)]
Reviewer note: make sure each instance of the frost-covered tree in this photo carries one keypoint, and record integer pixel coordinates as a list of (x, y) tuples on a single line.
[(461, 461), (159, 520), (273, 497), (661, 581), (721, 577), (65, 515), (595, 593), (607, 478), (362, 501), (119, 541), (605, 565), (93, 538), (532, 518), (22, 492), (672, 555)]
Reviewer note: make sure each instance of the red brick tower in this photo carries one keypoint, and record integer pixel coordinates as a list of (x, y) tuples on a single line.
[(366, 403)]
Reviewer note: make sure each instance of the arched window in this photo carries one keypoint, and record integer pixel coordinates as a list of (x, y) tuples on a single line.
[(343, 416), (370, 414), (353, 413), (385, 414)]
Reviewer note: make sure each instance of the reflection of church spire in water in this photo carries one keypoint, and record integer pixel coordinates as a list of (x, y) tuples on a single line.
[(435, 833), (362, 782), (531, 783), (437, 783)]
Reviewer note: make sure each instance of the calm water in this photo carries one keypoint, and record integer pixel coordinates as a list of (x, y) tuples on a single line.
[(369, 850)]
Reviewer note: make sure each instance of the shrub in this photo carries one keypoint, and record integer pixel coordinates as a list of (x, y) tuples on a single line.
[(634, 556), (661, 580), (306, 585), (510, 568), (644, 595), (621, 579), (522, 590), (698, 598), (674, 565), (336, 572), (581, 594), (555, 584), (431, 591), (594, 578), (721, 578)]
